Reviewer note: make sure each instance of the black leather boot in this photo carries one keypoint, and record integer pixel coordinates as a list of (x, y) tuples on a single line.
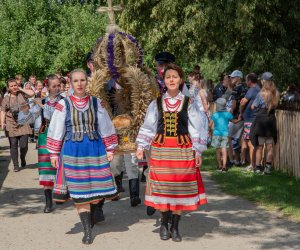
[(164, 231), (85, 218), (119, 182), (48, 195), (150, 211), (97, 213), (143, 177), (134, 190), (174, 228)]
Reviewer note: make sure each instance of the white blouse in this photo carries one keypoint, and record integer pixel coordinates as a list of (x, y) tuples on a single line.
[(57, 129), (196, 128)]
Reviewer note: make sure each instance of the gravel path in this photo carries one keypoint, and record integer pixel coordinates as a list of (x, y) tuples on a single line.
[(227, 222)]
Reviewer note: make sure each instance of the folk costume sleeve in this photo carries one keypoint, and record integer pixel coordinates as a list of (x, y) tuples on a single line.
[(57, 130), (198, 132), (148, 129), (106, 129)]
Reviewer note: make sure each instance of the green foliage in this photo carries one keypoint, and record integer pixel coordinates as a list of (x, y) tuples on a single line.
[(221, 35), (46, 36)]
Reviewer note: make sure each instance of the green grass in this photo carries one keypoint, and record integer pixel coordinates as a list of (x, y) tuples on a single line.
[(277, 192)]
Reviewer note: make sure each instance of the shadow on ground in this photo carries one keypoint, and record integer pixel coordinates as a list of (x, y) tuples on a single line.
[(246, 219), (223, 217), (4, 163)]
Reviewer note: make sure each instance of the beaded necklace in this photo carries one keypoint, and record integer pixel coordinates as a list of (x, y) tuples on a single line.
[(172, 107), (78, 102)]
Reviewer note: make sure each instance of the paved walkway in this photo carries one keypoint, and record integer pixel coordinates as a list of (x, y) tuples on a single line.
[(227, 222)]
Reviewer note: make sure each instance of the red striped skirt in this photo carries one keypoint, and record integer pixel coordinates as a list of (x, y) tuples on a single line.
[(174, 181)]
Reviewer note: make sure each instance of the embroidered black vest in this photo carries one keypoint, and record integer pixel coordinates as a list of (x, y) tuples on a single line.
[(173, 124)]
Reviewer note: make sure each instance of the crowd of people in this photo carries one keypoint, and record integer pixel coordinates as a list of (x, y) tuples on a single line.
[(243, 123), (77, 139)]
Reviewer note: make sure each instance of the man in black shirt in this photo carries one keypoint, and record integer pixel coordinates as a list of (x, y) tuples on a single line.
[(235, 130), (221, 87)]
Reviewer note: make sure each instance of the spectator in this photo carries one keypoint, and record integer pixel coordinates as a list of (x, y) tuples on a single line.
[(220, 88), (67, 88), (90, 64), (189, 84), (221, 119), (63, 83), (19, 79), (236, 129), (39, 88), (210, 87), (32, 80), (28, 86), (194, 80), (264, 130), (227, 82), (17, 134), (248, 115)]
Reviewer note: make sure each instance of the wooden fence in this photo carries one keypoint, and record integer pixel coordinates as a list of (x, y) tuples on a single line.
[(287, 150)]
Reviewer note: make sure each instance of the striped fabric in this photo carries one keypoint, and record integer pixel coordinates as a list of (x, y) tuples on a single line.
[(54, 145), (175, 182), (87, 171), (46, 171)]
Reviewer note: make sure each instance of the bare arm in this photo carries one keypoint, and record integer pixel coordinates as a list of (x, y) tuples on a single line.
[(203, 100), (2, 119), (28, 92), (243, 104), (233, 107)]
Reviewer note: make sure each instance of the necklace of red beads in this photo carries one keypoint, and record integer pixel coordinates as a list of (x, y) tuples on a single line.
[(79, 103), (172, 107)]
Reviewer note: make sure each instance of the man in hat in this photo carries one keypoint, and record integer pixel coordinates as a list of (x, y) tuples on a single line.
[(162, 60), (235, 130)]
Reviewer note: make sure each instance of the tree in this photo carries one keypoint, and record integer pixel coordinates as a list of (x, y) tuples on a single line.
[(43, 37), (249, 35)]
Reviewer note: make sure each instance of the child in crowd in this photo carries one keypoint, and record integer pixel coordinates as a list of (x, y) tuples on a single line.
[(221, 119)]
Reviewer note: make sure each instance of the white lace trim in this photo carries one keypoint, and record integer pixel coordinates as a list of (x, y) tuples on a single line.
[(175, 201), (92, 195), (47, 177)]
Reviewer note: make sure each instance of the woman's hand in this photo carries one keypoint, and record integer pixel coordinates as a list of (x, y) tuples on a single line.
[(54, 162), (110, 156), (28, 92), (198, 161), (38, 101), (140, 154)]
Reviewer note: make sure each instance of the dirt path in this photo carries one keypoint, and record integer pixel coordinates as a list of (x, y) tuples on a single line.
[(227, 222)]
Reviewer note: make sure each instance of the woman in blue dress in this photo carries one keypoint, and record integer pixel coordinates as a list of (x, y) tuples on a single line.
[(81, 140)]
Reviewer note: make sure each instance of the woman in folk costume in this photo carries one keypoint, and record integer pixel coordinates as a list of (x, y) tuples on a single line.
[(46, 171), (175, 132), (81, 140)]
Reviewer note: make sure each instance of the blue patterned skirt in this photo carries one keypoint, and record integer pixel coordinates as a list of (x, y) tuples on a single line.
[(85, 171)]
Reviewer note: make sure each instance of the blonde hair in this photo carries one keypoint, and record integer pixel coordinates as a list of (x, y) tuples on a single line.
[(76, 71), (270, 94), (39, 82)]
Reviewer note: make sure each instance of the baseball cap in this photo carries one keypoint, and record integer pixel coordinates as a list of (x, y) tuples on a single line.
[(268, 76), (221, 104), (236, 73)]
